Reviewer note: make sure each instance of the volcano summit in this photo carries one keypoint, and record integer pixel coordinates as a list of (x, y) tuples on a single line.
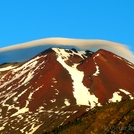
[(58, 85)]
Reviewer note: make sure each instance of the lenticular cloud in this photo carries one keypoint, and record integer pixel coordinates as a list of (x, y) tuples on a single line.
[(81, 44)]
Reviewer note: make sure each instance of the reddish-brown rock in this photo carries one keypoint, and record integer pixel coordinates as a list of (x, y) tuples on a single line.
[(58, 85)]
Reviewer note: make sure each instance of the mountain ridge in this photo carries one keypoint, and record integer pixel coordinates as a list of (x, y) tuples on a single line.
[(58, 85)]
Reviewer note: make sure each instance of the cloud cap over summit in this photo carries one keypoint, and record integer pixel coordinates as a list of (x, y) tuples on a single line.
[(81, 44)]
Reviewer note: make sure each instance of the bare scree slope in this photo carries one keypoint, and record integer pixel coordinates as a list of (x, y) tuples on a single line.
[(58, 85)]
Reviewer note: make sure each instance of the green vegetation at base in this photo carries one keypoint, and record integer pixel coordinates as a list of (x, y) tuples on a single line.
[(111, 118)]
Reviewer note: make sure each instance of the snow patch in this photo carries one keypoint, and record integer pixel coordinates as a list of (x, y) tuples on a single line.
[(21, 71), (116, 97), (22, 110), (127, 93), (131, 66), (1, 128), (57, 91), (62, 52), (54, 100), (97, 67), (31, 94), (66, 101), (97, 71), (117, 57), (34, 129), (6, 68)]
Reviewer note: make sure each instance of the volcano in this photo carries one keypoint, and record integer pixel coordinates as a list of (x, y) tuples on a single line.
[(58, 85)]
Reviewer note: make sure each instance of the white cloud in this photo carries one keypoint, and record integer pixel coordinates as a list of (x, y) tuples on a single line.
[(116, 48)]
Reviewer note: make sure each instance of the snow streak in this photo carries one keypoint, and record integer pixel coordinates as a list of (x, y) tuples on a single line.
[(81, 93)]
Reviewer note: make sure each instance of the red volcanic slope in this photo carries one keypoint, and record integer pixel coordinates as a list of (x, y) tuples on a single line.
[(58, 85)]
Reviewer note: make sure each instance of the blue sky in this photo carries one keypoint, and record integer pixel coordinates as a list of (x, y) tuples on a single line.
[(26, 20)]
